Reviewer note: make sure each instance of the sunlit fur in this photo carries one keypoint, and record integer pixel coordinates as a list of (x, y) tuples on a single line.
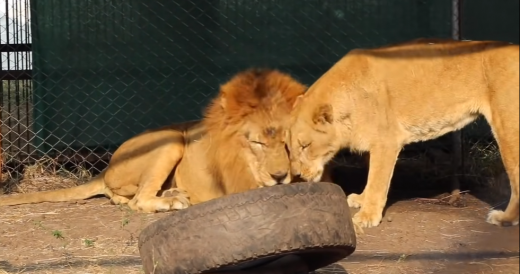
[(378, 100), (239, 145)]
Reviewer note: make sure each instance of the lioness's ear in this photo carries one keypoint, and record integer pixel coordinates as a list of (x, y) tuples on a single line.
[(323, 114), (297, 101)]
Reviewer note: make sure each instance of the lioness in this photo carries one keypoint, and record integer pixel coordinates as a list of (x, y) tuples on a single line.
[(379, 100), (239, 145)]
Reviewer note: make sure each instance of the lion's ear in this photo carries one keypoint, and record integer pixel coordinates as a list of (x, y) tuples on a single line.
[(223, 96), (223, 102), (323, 114), (297, 101)]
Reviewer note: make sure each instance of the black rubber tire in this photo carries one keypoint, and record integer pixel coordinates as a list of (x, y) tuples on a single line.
[(311, 220)]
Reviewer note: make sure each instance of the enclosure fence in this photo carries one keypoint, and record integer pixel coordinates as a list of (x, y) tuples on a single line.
[(81, 77)]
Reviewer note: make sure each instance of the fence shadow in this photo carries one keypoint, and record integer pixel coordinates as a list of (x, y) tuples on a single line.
[(459, 257)]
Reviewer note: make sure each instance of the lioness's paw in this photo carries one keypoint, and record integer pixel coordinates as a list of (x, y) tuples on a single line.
[(367, 219), (355, 200), (496, 217)]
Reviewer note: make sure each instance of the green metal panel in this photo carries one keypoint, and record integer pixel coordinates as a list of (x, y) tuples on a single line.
[(105, 70), (488, 20)]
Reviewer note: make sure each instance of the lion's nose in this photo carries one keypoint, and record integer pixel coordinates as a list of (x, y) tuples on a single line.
[(279, 176)]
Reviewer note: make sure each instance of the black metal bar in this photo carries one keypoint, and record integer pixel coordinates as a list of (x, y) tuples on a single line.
[(15, 74), (15, 47)]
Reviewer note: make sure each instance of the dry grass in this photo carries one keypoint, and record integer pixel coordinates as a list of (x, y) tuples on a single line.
[(485, 171), (92, 237), (88, 237), (44, 174), (483, 160), (485, 166)]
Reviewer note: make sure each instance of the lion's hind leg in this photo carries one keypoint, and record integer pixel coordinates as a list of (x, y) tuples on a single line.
[(119, 200), (161, 164), (116, 199)]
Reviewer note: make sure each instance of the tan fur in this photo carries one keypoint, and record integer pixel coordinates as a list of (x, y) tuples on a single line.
[(379, 100), (239, 145)]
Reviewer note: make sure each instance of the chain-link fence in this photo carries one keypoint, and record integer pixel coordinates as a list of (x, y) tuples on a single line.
[(16, 105), (81, 77)]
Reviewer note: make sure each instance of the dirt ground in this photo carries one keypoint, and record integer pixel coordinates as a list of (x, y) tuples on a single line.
[(416, 236)]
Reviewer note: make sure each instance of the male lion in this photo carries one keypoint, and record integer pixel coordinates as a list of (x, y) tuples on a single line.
[(378, 100), (239, 145)]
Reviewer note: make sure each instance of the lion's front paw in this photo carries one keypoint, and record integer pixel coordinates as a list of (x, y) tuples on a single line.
[(365, 218), (173, 192), (180, 202), (160, 204), (177, 202), (355, 200)]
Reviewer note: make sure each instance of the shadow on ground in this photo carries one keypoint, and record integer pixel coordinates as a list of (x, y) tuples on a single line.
[(417, 179), (334, 268)]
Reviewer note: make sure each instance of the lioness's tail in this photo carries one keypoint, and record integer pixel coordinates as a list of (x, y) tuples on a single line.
[(95, 187)]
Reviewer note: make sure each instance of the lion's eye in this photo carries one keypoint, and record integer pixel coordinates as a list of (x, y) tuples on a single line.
[(257, 143)]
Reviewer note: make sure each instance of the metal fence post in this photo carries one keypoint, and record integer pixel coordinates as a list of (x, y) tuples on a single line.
[(457, 136)]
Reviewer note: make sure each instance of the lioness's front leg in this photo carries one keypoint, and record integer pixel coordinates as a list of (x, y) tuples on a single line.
[(373, 199)]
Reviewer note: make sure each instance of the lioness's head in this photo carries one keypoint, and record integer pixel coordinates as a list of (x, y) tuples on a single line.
[(312, 138), (252, 113)]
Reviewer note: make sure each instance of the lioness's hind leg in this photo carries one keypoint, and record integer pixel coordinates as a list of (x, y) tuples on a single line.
[(506, 131), (511, 215)]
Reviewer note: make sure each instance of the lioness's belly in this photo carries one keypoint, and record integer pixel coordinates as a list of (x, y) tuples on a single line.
[(432, 127)]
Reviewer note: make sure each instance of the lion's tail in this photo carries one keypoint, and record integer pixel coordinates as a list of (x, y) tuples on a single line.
[(95, 187)]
